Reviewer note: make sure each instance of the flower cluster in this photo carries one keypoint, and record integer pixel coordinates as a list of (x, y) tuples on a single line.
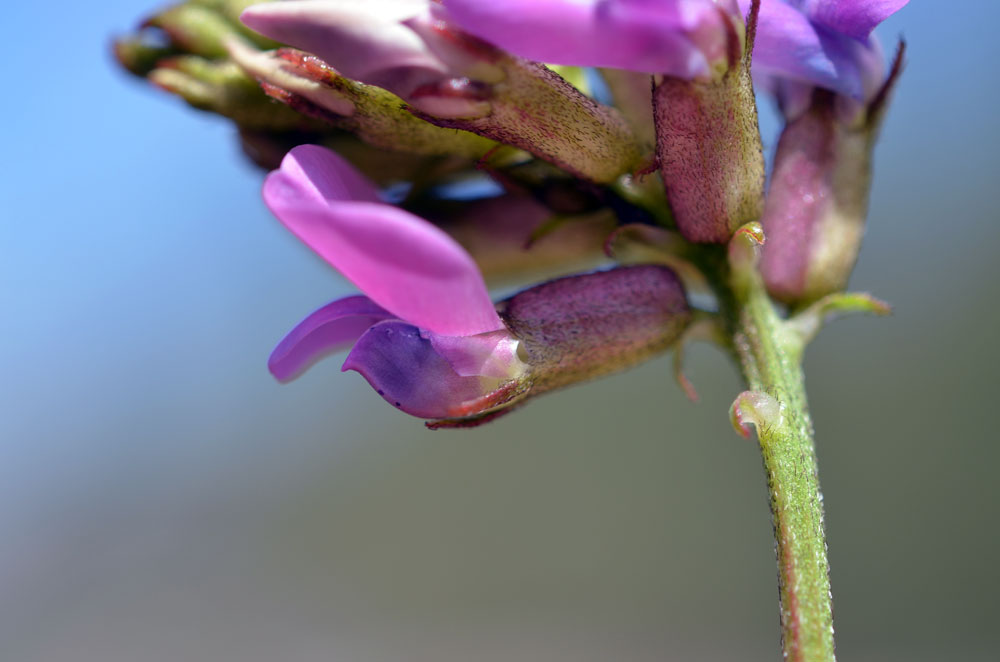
[(586, 122)]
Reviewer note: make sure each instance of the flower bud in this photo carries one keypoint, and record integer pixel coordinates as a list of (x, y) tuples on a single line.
[(818, 198), (453, 80)]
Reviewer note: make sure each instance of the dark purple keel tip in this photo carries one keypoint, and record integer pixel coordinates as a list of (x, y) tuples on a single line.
[(403, 367), (332, 328)]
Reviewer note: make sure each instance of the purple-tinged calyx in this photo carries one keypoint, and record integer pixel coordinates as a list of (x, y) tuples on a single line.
[(818, 197), (577, 328), (580, 327), (708, 144), (426, 335), (456, 81)]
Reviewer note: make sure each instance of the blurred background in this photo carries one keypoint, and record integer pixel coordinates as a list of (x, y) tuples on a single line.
[(163, 499)]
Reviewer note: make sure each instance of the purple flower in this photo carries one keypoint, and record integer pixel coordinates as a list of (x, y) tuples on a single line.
[(682, 38), (426, 335), (822, 43)]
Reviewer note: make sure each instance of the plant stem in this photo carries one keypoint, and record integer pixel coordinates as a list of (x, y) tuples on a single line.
[(769, 354)]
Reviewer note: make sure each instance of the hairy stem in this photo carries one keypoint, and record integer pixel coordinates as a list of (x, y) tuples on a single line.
[(769, 353)]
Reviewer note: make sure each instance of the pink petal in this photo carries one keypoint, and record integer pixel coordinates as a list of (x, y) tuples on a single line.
[(403, 263), (640, 35), (332, 328), (320, 173)]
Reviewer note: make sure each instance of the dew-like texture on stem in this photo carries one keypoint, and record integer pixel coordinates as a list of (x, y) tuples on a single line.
[(674, 37), (770, 357), (402, 262)]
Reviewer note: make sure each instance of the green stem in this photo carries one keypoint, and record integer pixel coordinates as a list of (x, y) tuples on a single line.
[(769, 353)]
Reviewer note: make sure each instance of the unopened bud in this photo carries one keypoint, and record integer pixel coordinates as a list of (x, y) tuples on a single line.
[(818, 197)]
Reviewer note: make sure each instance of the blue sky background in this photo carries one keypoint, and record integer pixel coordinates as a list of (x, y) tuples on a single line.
[(161, 498)]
